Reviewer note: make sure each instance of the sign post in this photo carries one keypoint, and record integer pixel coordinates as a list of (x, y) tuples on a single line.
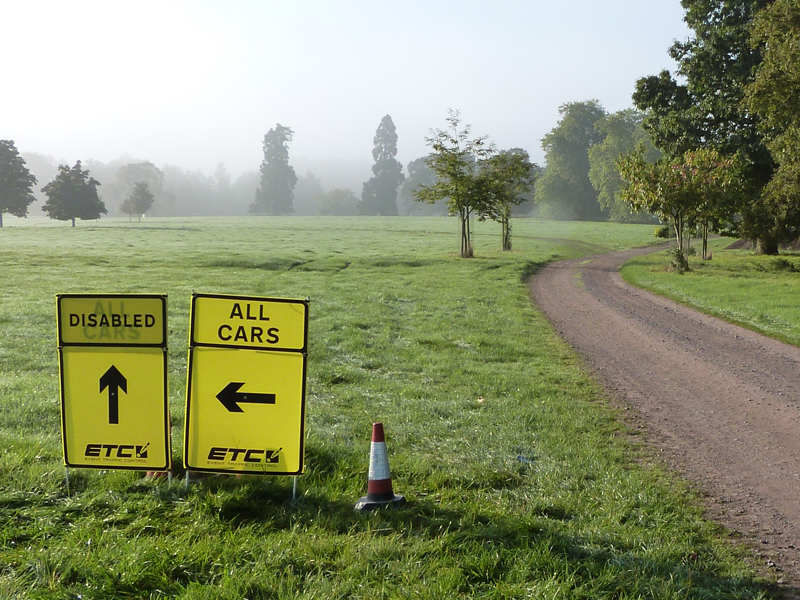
[(245, 396), (113, 365)]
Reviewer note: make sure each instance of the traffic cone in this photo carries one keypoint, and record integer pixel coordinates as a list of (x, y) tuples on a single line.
[(379, 484)]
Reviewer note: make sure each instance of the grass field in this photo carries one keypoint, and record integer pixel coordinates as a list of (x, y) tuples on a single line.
[(757, 292), (521, 482)]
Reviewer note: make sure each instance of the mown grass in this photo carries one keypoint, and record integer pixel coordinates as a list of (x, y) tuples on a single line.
[(521, 482), (757, 292)]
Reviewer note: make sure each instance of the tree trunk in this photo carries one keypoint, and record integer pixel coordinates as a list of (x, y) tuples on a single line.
[(466, 241), (506, 224), (767, 246), (678, 223), (73, 222), (1, 218), (705, 241)]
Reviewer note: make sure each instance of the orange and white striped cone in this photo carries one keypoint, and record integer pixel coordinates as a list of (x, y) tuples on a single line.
[(379, 485)]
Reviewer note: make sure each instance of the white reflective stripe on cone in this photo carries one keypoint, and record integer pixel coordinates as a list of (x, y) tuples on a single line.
[(378, 461)]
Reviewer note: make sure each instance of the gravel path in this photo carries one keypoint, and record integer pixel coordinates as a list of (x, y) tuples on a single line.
[(718, 402)]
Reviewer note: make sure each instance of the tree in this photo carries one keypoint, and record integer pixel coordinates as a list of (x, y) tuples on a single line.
[(73, 195), (419, 174), (307, 194), (379, 195), (139, 202), (125, 179), (454, 160), (774, 95), (687, 191), (510, 175), (16, 182), (339, 202), (622, 132), (275, 193), (713, 180), (564, 191), (707, 111)]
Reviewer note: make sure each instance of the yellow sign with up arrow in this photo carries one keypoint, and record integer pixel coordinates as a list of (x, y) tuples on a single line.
[(113, 365), (245, 399)]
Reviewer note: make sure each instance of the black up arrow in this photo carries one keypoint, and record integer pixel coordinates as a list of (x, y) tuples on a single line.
[(114, 381), (230, 397)]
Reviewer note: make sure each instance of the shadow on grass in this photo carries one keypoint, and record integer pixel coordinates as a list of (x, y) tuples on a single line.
[(529, 269), (491, 550), (488, 549)]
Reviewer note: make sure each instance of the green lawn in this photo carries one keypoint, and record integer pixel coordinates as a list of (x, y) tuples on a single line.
[(758, 292), (521, 482)]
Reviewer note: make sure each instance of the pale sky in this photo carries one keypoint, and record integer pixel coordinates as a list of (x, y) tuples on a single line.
[(197, 82)]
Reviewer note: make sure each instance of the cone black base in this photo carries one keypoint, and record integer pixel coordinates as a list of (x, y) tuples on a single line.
[(366, 503)]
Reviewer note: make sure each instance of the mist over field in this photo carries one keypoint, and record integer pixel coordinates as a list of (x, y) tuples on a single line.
[(200, 85)]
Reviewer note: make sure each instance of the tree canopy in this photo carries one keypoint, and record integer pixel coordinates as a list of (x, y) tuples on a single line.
[(379, 195), (564, 191), (338, 202), (707, 109), (774, 95), (419, 174), (73, 195), (276, 190), (16, 182), (687, 191), (622, 133)]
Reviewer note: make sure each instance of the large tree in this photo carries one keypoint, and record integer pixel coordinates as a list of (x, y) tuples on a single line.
[(139, 202), (16, 182), (454, 159), (705, 109), (73, 195), (276, 191), (774, 95), (622, 132), (564, 191), (379, 195)]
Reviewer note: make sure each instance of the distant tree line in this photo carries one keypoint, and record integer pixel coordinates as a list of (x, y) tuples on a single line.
[(139, 188)]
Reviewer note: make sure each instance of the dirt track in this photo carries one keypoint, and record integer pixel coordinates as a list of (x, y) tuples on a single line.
[(719, 402)]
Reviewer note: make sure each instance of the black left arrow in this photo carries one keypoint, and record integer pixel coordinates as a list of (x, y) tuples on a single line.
[(114, 381), (230, 397)]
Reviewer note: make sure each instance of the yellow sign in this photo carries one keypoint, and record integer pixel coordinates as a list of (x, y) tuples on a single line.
[(245, 406), (114, 410), (243, 322), (130, 320)]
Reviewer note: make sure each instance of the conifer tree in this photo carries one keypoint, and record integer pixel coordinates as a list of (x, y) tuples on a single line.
[(275, 194), (379, 195)]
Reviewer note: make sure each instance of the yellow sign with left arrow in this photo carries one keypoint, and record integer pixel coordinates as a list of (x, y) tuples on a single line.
[(245, 397), (113, 366)]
